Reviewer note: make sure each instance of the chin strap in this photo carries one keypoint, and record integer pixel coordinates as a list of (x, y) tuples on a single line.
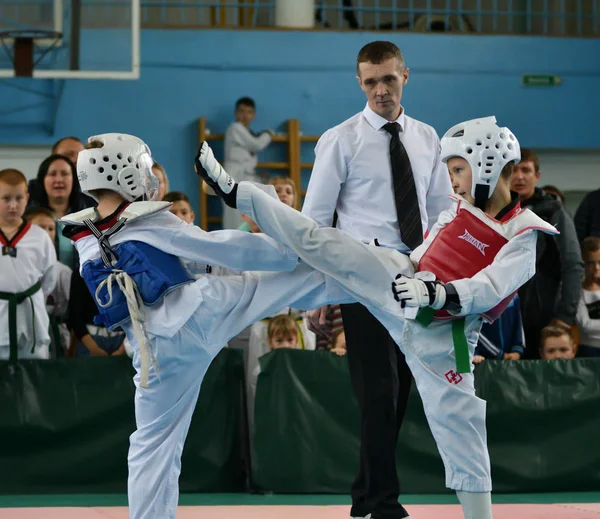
[(482, 194)]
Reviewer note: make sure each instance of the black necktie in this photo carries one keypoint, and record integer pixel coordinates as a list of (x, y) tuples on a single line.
[(405, 191)]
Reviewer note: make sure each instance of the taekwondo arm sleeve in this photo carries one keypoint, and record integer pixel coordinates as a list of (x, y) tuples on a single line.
[(49, 276), (583, 318), (326, 179), (571, 266), (512, 267), (243, 137), (439, 191), (232, 249)]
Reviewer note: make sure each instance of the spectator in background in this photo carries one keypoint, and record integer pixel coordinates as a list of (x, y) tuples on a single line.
[(27, 273), (553, 190), (587, 216), (163, 180), (241, 147), (62, 195), (556, 343), (286, 191), (281, 332), (57, 303), (68, 147), (91, 339), (552, 295), (181, 206), (588, 312), (504, 338)]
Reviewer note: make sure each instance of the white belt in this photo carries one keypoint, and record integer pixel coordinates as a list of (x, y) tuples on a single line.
[(135, 305), (101, 331)]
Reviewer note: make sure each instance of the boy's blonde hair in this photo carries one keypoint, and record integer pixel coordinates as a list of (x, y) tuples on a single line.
[(12, 177), (554, 331), (282, 326), (283, 180)]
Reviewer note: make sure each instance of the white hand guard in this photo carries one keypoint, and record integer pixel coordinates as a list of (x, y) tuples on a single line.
[(415, 293), (209, 169)]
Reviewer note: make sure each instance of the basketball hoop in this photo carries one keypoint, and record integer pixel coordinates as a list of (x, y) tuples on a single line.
[(24, 48)]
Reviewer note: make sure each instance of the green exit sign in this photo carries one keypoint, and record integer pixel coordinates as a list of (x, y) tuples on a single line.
[(533, 80)]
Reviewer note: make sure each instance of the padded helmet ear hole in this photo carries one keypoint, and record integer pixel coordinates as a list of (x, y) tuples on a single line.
[(130, 181)]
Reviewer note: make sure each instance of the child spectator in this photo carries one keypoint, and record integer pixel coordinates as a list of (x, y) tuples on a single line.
[(241, 147), (286, 189), (588, 311), (181, 206), (260, 339), (503, 339), (163, 180), (556, 343), (282, 331), (27, 274), (57, 302)]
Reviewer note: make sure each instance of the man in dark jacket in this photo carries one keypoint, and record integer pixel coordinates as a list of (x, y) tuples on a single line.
[(551, 296), (587, 217)]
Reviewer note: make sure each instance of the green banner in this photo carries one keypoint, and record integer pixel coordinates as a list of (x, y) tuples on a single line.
[(543, 424), (65, 426)]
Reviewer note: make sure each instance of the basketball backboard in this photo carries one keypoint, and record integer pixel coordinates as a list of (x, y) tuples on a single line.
[(70, 39)]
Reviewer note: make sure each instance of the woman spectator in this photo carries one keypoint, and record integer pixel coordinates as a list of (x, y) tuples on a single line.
[(62, 195)]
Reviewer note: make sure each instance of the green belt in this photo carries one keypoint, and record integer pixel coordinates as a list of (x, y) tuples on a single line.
[(461, 347), (15, 299)]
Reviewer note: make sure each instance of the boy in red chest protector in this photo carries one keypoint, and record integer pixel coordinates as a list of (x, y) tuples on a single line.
[(472, 261)]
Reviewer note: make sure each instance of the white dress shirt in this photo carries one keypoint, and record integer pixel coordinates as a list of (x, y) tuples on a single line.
[(353, 176)]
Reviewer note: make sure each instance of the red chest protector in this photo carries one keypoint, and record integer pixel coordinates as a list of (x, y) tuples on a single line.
[(464, 247)]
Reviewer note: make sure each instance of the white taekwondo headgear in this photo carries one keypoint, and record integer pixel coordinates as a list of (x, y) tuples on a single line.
[(123, 164), (486, 147)]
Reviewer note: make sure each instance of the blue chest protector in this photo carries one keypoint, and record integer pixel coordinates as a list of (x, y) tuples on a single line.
[(155, 273)]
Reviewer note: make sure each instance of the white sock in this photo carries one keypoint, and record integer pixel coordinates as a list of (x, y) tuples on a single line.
[(476, 505)]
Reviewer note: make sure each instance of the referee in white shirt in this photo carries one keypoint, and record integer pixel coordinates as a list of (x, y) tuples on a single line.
[(380, 171)]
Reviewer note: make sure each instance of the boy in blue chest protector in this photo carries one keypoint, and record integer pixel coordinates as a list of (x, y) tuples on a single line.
[(131, 250)]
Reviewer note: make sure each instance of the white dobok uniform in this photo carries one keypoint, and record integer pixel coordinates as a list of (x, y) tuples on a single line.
[(27, 266), (486, 259), (188, 326)]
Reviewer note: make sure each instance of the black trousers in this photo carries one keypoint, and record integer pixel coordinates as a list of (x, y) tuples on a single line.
[(381, 381)]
